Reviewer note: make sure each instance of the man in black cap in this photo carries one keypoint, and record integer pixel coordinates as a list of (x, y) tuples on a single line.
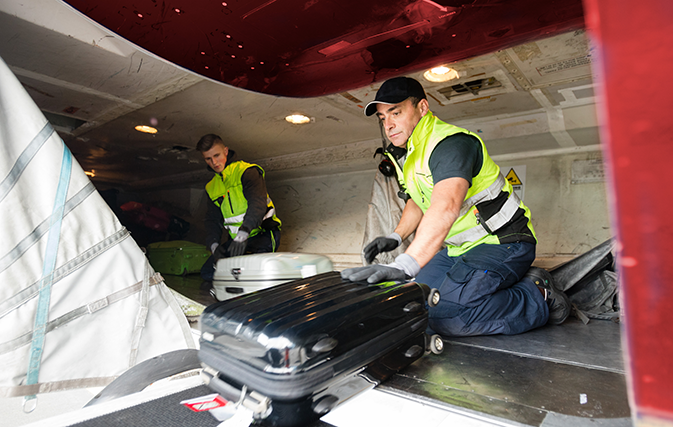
[(459, 198)]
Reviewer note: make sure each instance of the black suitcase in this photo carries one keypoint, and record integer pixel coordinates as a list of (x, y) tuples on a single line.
[(293, 352)]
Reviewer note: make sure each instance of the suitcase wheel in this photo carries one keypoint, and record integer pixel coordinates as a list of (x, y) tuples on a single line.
[(436, 344), (433, 297)]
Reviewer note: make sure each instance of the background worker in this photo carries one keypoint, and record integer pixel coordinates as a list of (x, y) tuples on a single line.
[(239, 204), (459, 199)]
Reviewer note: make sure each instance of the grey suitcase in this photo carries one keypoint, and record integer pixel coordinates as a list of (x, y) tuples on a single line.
[(248, 273)]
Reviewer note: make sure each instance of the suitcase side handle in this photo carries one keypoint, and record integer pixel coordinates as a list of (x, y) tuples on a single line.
[(259, 404)]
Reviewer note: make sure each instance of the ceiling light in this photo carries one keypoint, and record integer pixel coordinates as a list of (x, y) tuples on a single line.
[(441, 74), (146, 129), (298, 119)]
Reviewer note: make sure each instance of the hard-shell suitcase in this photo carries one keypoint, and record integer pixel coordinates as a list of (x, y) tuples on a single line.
[(177, 257), (243, 274), (293, 352)]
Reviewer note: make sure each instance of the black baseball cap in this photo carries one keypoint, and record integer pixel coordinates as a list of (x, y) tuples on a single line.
[(395, 90)]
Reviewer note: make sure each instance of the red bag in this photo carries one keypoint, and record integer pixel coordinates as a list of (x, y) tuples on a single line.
[(147, 216)]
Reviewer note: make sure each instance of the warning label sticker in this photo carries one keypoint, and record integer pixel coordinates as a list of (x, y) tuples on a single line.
[(513, 178), (517, 178), (564, 65)]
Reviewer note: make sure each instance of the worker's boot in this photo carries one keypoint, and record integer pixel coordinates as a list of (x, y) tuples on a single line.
[(557, 301)]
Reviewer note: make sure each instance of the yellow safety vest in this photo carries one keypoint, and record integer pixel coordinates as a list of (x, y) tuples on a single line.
[(467, 231), (226, 191)]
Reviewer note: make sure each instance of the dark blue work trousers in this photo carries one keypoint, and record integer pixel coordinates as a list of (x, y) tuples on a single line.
[(483, 293)]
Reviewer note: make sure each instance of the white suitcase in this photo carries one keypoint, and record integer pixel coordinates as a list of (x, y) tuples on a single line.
[(243, 274)]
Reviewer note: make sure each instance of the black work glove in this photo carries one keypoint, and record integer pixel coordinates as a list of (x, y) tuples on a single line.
[(219, 252), (381, 244), (404, 267), (238, 245), (269, 224)]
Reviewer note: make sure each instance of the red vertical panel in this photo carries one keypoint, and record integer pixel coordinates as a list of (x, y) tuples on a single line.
[(634, 66)]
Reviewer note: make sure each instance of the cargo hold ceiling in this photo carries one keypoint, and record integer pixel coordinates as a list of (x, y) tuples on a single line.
[(302, 48), (96, 88)]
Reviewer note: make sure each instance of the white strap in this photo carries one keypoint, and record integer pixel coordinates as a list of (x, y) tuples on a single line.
[(83, 310), (141, 317), (48, 387)]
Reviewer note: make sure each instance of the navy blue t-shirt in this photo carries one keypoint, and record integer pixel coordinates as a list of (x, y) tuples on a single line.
[(457, 155)]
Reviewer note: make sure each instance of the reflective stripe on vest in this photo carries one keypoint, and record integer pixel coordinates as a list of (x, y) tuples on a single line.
[(494, 223), (232, 224)]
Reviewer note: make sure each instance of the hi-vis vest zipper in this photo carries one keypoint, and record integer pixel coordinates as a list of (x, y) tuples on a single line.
[(469, 230), (226, 191)]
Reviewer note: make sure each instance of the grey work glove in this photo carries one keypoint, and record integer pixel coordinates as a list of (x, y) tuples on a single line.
[(237, 246), (404, 267), (381, 244)]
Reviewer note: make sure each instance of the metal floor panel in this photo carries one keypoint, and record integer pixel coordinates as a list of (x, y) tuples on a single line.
[(595, 345), (561, 376), (532, 379)]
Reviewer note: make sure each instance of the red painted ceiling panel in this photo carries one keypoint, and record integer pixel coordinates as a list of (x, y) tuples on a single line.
[(316, 47)]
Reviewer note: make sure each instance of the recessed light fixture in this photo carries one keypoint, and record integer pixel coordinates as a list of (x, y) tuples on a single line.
[(146, 129), (442, 73), (298, 119)]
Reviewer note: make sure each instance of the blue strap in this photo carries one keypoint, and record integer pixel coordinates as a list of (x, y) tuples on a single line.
[(42, 314)]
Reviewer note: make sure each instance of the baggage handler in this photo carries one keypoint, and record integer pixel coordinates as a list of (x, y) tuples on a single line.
[(459, 198), (240, 205)]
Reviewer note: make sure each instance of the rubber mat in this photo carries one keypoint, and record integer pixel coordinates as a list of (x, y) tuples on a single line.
[(165, 411)]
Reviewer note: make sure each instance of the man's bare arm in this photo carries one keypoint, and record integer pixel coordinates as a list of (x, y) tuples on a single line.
[(447, 198), (411, 217)]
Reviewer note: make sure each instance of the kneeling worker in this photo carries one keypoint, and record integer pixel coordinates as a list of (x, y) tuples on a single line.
[(459, 198), (240, 204)]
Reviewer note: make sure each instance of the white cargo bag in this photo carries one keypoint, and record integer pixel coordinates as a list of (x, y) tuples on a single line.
[(79, 302), (243, 274)]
